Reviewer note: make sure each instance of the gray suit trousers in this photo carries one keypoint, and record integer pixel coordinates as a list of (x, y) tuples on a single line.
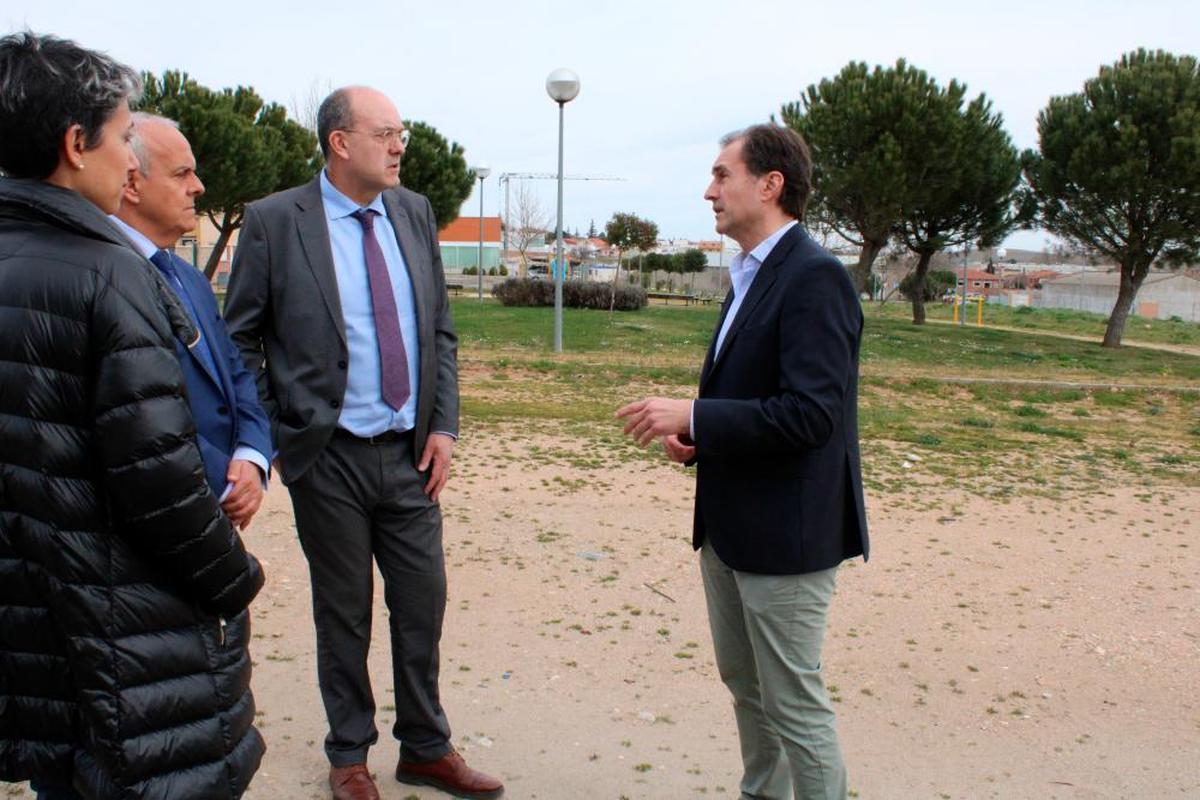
[(362, 501)]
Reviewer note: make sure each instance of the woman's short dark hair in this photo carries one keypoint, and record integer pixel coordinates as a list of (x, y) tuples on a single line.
[(47, 85), (775, 148)]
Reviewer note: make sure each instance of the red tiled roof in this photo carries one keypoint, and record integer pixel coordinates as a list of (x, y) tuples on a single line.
[(466, 229), (978, 275)]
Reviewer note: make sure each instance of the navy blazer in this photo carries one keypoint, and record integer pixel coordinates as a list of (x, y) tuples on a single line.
[(225, 405), (779, 483)]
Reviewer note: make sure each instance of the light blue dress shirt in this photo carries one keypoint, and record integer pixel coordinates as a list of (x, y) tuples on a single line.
[(242, 453), (742, 270), (364, 412)]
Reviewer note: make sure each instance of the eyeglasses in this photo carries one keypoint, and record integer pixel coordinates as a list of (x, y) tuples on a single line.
[(386, 135)]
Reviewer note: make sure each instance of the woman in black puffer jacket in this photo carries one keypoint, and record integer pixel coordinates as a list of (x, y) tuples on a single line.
[(124, 670)]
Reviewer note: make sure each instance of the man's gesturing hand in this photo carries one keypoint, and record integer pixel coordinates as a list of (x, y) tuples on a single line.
[(653, 417), (678, 450)]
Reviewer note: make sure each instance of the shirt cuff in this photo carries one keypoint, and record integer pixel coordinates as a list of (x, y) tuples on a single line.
[(692, 421)]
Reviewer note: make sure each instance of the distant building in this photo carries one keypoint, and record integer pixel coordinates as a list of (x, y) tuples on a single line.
[(1163, 294), (587, 249), (1026, 278), (981, 282), (460, 243), (196, 245)]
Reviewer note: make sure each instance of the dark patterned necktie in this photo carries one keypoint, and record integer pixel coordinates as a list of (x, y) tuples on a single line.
[(162, 260), (393, 360)]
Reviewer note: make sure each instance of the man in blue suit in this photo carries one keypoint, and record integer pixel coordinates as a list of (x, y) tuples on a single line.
[(232, 429)]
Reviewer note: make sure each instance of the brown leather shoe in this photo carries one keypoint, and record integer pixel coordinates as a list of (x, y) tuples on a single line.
[(451, 774), (352, 783)]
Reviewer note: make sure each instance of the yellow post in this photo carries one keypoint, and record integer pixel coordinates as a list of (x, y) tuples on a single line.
[(979, 319), (956, 302)]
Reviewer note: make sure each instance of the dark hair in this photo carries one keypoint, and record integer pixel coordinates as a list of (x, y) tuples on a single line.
[(47, 85), (333, 115), (775, 148)]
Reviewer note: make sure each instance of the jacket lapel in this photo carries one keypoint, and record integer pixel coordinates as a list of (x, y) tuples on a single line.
[(402, 224), (313, 230), (762, 283), (204, 326)]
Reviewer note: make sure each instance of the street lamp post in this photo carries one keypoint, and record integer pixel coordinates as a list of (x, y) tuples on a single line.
[(481, 172), (563, 86), (962, 304)]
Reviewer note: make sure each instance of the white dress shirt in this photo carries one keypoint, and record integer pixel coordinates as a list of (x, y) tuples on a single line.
[(742, 270)]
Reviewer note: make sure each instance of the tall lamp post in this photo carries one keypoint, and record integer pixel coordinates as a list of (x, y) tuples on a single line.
[(481, 172), (960, 290), (563, 86)]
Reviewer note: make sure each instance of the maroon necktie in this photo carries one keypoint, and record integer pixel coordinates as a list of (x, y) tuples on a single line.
[(393, 361)]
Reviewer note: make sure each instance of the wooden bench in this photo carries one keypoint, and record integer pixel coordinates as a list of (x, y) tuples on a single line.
[(454, 288), (667, 297)]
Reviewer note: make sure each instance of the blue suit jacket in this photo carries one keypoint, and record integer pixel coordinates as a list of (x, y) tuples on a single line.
[(224, 405)]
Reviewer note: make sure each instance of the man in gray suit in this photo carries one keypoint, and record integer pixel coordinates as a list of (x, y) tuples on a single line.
[(338, 285)]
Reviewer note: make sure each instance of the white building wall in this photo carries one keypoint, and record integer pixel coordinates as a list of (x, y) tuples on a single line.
[(1177, 296), (1096, 299)]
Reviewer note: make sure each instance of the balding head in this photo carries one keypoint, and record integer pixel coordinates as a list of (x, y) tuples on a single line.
[(153, 127), (160, 198), (336, 112), (362, 138)]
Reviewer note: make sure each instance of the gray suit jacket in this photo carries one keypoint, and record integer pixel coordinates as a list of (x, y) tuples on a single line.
[(283, 306)]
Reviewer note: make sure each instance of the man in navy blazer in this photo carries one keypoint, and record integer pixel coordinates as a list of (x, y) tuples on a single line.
[(232, 429), (774, 437)]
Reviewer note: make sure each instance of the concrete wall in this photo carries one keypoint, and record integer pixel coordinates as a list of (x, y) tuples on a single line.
[(1176, 296), (1093, 298)]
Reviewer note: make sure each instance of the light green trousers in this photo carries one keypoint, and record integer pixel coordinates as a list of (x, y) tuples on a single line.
[(767, 632)]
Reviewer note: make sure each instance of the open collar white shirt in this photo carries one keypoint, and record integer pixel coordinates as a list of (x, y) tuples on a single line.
[(742, 270)]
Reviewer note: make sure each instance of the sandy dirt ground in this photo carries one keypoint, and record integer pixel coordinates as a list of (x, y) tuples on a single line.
[(1038, 649), (1029, 649)]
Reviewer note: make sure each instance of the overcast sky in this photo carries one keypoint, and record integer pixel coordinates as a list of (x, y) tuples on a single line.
[(661, 81)]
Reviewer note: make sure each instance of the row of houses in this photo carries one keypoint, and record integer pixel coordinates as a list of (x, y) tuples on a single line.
[(1163, 295)]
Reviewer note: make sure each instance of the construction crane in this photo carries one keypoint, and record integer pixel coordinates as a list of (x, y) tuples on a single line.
[(506, 177)]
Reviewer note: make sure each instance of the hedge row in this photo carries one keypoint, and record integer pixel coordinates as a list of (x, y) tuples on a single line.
[(576, 294)]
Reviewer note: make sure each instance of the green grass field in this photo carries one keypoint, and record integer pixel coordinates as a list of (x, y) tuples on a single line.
[(970, 405), (1056, 320)]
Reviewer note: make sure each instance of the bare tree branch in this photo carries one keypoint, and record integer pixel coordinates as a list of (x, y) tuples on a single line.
[(529, 223)]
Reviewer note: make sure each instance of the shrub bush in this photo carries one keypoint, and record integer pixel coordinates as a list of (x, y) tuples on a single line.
[(576, 294), (937, 282)]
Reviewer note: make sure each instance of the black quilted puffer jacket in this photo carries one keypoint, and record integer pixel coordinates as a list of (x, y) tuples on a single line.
[(123, 588)]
